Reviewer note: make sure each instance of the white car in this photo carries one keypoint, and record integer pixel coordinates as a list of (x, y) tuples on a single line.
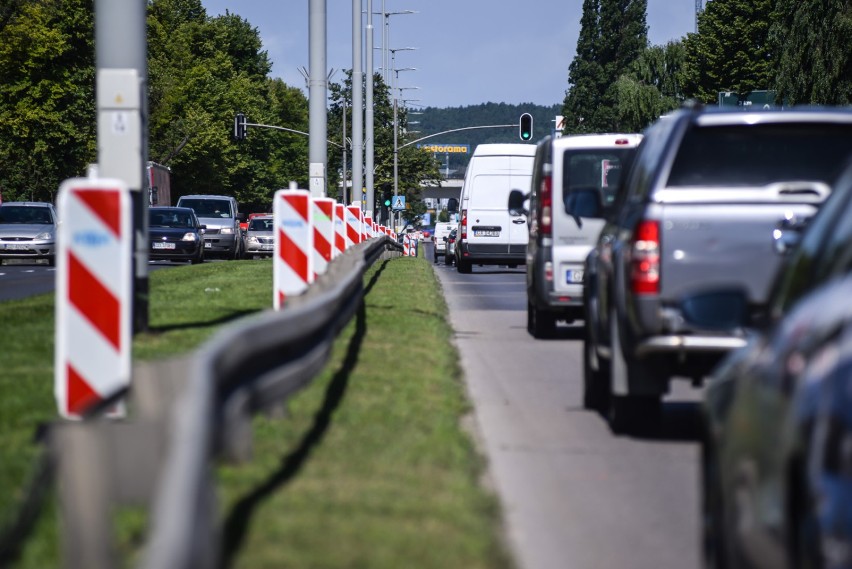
[(442, 230)]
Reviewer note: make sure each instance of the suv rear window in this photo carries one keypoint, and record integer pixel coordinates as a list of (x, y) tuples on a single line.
[(757, 155), (599, 168)]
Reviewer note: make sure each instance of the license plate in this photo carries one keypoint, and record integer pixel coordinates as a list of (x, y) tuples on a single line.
[(16, 247), (164, 245), (208, 245), (574, 276), (486, 233)]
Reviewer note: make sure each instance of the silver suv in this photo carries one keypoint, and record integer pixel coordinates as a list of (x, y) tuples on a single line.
[(28, 231), (221, 216)]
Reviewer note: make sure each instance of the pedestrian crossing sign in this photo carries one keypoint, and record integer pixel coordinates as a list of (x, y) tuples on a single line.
[(398, 203)]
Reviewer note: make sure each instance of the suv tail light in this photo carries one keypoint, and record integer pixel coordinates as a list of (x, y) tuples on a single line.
[(545, 204), (645, 260), (463, 224)]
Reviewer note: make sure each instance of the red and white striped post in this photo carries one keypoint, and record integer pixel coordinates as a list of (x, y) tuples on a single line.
[(94, 287), (368, 227), (293, 259), (339, 229), (323, 218), (353, 225)]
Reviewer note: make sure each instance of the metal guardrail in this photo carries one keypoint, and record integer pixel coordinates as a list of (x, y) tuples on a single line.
[(189, 411)]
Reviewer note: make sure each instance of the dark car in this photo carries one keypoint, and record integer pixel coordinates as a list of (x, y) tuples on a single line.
[(777, 449), (449, 255), (175, 234)]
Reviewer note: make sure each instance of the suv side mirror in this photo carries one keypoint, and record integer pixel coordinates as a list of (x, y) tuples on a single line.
[(452, 205), (516, 203)]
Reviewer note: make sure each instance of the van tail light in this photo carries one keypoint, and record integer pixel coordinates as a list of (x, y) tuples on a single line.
[(545, 205), (463, 228), (548, 271), (645, 260)]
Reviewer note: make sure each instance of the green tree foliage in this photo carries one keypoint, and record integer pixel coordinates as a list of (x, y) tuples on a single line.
[(731, 51), (613, 34), (651, 88), (201, 71), (812, 40), (415, 166), (47, 116)]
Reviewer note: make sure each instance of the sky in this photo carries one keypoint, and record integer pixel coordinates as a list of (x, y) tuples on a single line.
[(467, 52)]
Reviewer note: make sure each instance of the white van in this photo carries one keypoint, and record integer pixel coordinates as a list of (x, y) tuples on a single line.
[(442, 230), (574, 182), (487, 233)]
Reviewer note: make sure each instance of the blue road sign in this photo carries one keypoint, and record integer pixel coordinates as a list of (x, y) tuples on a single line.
[(398, 203)]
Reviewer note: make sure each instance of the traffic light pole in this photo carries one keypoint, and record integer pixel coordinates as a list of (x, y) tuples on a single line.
[(452, 130)]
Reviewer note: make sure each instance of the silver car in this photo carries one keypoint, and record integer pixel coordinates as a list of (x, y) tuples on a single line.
[(28, 231), (258, 240)]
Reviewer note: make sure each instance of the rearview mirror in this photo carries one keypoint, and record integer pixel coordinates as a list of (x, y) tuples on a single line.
[(516, 203)]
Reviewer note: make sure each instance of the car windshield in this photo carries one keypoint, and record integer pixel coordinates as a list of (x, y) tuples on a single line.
[(206, 207), (170, 218), (259, 224), (28, 214), (758, 155)]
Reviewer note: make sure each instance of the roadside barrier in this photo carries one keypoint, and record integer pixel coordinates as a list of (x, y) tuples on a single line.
[(323, 218), (293, 259), (184, 414)]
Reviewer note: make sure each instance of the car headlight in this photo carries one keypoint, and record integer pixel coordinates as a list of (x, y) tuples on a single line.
[(189, 237), (227, 231), (45, 236), (253, 239)]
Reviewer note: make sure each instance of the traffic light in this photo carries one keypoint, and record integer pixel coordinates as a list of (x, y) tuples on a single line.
[(526, 127), (240, 126)]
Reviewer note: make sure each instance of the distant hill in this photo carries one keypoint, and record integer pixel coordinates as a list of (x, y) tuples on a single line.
[(433, 120)]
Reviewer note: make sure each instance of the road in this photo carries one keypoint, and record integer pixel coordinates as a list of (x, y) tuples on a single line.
[(21, 279), (574, 495)]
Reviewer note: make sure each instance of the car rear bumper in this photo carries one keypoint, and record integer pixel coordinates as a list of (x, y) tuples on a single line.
[(688, 343), (491, 254)]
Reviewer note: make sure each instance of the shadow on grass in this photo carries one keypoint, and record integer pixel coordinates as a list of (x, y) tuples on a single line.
[(201, 324), (238, 521)]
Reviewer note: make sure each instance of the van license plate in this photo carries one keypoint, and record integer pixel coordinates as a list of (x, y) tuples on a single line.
[(486, 234), (574, 276)]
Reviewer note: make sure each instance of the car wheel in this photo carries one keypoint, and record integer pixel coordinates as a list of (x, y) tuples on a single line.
[(464, 266), (199, 258), (629, 413), (596, 389), (540, 323)]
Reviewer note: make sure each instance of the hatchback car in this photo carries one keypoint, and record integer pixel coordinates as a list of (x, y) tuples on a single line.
[(175, 235), (777, 450), (259, 239), (28, 231)]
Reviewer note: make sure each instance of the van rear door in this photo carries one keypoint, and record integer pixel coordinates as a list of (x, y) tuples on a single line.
[(492, 229)]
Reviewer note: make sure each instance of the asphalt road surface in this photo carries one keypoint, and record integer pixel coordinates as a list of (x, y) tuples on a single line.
[(574, 495)]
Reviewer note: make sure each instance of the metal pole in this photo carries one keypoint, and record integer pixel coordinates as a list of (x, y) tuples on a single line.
[(395, 152), (343, 193), (317, 94), (121, 52), (371, 194), (357, 104)]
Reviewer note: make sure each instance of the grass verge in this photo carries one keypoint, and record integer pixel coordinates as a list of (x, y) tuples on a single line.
[(369, 467)]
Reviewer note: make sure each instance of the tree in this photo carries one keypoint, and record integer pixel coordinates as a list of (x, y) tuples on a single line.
[(812, 41), (47, 111), (651, 88), (613, 34), (731, 51)]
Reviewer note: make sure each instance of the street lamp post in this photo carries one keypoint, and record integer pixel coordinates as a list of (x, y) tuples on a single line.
[(396, 121)]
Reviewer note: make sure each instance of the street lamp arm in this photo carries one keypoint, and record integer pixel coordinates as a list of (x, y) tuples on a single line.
[(459, 129), (288, 130)]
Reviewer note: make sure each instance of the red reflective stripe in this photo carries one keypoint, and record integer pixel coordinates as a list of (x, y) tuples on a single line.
[(300, 203), (322, 245), (293, 256), (340, 242), (80, 394), (94, 301), (106, 205)]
